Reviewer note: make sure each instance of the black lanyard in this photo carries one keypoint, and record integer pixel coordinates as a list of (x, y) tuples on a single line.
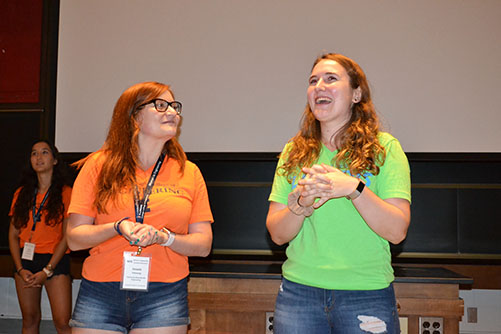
[(141, 205), (36, 214)]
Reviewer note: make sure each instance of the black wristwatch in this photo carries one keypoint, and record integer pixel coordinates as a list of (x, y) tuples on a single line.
[(357, 191)]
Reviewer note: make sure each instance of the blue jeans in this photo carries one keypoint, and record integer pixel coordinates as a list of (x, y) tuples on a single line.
[(102, 305), (303, 309)]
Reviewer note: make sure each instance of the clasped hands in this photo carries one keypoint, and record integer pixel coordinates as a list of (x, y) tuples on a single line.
[(141, 235), (31, 280), (324, 182)]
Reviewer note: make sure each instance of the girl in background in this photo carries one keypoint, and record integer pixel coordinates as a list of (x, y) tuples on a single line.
[(37, 239)]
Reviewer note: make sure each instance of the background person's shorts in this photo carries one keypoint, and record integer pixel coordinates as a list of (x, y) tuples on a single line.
[(40, 261)]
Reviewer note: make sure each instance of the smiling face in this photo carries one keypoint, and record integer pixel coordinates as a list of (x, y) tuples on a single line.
[(330, 95), (158, 125), (42, 160)]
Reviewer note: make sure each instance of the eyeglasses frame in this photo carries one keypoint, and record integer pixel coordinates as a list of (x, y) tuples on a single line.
[(169, 104)]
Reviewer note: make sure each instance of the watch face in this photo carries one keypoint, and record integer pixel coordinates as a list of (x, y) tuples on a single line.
[(360, 186)]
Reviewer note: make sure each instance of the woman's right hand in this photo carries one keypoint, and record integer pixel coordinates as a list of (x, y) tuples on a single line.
[(26, 275), (126, 227), (36, 280), (305, 200), (141, 235)]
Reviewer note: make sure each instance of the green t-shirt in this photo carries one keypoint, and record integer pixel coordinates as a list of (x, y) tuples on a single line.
[(335, 248)]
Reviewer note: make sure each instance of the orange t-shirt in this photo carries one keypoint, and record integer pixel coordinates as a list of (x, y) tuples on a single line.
[(176, 201), (44, 237)]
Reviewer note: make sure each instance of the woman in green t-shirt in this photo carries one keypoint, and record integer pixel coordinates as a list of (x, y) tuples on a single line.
[(341, 192)]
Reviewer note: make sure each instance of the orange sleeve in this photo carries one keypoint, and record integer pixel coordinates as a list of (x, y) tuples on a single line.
[(14, 199), (66, 200)]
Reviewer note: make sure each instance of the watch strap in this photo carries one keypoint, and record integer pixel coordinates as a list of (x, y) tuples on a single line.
[(357, 192), (170, 240), (48, 272)]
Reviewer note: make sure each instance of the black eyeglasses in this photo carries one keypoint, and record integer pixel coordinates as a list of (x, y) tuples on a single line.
[(162, 105)]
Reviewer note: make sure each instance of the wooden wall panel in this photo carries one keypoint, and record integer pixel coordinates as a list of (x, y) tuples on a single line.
[(20, 50)]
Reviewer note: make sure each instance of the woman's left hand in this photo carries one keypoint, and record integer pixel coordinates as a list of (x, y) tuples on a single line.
[(326, 182)]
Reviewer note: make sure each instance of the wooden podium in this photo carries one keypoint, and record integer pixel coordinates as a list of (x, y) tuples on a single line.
[(233, 297)]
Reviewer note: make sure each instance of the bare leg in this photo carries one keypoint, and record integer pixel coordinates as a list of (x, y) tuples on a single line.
[(29, 302), (59, 293), (91, 331), (161, 330)]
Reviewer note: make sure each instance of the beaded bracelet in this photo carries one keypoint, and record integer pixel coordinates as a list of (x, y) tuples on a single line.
[(116, 226)]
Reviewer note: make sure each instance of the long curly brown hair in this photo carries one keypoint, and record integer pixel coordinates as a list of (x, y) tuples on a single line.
[(29, 182), (358, 146), (121, 146)]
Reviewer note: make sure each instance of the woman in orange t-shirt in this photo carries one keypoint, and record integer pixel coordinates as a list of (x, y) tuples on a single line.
[(142, 208), (36, 239)]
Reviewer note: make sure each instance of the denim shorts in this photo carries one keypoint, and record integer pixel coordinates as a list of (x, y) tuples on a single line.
[(303, 309), (102, 305)]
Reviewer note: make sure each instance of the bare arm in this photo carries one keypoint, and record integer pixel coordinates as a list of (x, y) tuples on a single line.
[(61, 247), (81, 232), (27, 276), (197, 242), (389, 218), (15, 250), (282, 223)]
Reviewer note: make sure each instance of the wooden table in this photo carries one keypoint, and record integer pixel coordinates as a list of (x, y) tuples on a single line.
[(232, 297)]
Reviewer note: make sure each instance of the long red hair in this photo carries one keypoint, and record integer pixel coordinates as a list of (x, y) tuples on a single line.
[(359, 149), (121, 146)]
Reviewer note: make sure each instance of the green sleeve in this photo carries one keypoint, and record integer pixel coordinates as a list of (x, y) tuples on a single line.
[(281, 187), (394, 177)]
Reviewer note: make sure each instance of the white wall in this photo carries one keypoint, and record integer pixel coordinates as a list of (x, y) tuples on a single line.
[(488, 304), (240, 67)]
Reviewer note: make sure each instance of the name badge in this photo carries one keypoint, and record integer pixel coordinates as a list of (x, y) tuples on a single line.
[(136, 271), (28, 251)]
